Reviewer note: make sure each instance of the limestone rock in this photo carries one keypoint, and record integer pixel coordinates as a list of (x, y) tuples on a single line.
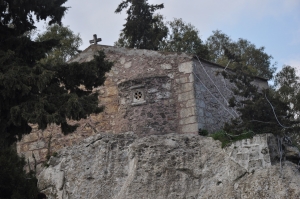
[(292, 153), (171, 166)]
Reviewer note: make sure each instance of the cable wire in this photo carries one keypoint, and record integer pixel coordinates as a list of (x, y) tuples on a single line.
[(212, 81), (227, 103), (213, 95), (227, 65), (275, 113)]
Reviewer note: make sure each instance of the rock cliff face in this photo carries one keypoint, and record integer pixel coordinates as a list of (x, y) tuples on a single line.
[(167, 167)]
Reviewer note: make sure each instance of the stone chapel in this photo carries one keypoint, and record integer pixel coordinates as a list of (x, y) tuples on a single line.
[(146, 92)]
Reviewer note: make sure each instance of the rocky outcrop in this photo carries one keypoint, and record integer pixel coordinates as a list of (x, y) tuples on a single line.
[(167, 167), (292, 153)]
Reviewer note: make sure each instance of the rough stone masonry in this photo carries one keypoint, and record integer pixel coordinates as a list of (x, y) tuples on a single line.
[(146, 92)]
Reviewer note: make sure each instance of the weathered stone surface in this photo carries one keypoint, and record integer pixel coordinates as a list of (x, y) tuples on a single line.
[(166, 66), (190, 103), (186, 87), (127, 65), (186, 112), (37, 145), (122, 60), (188, 120), (112, 91), (31, 137), (186, 96), (251, 153), (161, 166), (170, 90), (148, 115), (182, 80), (210, 99), (190, 128), (186, 67), (292, 153)]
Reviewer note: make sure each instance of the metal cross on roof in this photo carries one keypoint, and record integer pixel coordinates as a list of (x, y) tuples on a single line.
[(95, 40)]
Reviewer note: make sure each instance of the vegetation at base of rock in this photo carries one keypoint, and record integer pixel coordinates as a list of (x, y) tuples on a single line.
[(203, 132), (48, 156), (227, 138), (54, 154), (15, 183), (45, 164)]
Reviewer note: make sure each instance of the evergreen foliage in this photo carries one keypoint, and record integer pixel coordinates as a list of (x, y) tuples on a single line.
[(35, 91), (143, 29), (261, 110), (15, 183), (287, 87), (226, 138), (184, 37), (254, 60), (40, 92), (68, 44)]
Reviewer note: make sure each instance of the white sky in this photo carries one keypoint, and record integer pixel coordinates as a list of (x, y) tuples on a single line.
[(274, 24)]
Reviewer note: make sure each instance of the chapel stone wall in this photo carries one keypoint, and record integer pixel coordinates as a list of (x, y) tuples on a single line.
[(146, 92), (166, 80), (212, 93), (147, 106)]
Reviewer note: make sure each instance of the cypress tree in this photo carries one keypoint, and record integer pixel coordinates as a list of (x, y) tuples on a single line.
[(15, 183), (38, 92), (143, 29)]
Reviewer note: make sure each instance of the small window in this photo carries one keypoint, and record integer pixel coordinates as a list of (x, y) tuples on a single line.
[(138, 96)]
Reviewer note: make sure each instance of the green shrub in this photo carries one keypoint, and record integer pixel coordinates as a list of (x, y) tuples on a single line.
[(203, 132), (54, 154), (227, 138)]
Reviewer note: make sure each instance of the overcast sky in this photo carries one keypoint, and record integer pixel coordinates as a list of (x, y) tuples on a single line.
[(274, 24)]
